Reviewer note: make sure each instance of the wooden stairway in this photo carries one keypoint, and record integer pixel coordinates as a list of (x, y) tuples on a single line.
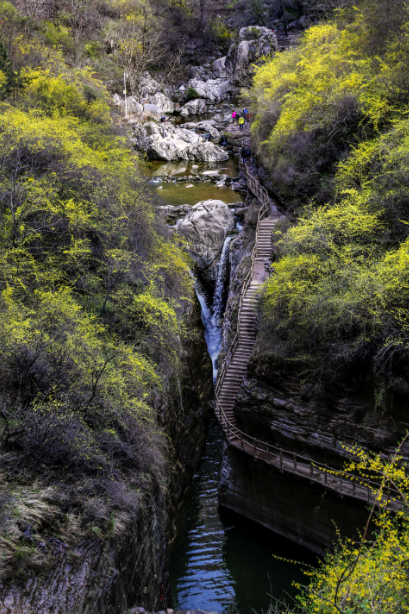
[(232, 373), (237, 368)]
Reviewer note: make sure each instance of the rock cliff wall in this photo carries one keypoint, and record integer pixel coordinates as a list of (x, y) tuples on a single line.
[(285, 503), (110, 576)]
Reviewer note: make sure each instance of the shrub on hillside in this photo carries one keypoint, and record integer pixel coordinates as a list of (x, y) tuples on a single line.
[(191, 94)]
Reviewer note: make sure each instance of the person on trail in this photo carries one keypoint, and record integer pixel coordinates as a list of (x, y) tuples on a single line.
[(248, 118), (243, 154), (234, 117), (248, 154), (241, 122), (162, 119), (245, 111)]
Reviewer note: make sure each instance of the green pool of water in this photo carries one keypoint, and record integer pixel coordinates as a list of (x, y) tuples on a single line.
[(157, 168), (178, 194)]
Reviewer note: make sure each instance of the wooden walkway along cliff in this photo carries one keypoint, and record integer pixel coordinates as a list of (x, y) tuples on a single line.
[(234, 368)]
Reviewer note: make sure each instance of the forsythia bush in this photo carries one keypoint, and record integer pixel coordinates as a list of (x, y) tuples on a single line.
[(93, 297), (368, 575), (332, 125)]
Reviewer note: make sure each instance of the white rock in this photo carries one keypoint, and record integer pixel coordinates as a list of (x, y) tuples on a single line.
[(237, 66), (152, 109), (208, 127), (133, 107), (194, 107), (207, 152), (117, 100), (220, 69), (214, 172), (148, 86), (168, 148), (151, 128), (163, 102), (212, 89), (205, 228)]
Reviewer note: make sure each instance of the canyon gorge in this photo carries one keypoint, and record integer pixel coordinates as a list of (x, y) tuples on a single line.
[(203, 320)]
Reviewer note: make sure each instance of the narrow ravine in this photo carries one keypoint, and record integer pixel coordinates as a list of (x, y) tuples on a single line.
[(220, 561)]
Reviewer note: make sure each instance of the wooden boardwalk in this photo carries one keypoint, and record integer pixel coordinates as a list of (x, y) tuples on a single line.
[(234, 368)]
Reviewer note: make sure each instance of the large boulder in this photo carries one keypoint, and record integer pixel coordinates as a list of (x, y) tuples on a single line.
[(206, 126), (162, 102), (189, 136), (133, 107), (205, 229), (152, 109), (207, 152), (168, 148), (255, 42), (220, 69), (148, 86), (213, 90), (183, 145), (194, 107)]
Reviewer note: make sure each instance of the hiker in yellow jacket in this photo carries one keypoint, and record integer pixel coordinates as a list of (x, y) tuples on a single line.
[(241, 122)]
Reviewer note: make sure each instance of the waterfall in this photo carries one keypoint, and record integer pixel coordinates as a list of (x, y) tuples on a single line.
[(212, 315), (218, 299)]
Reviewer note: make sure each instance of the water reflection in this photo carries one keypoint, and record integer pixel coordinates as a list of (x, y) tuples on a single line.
[(220, 559)]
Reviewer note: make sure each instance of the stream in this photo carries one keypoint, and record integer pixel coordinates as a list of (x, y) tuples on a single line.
[(220, 561)]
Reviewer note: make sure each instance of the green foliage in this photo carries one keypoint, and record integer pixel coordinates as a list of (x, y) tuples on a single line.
[(93, 299), (191, 94), (337, 301), (368, 574), (317, 101)]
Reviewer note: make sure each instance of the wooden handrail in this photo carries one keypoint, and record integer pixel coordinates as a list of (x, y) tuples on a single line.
[(293, 462)]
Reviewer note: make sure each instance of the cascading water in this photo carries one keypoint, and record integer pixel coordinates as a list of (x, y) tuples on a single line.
[(212, 315)]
